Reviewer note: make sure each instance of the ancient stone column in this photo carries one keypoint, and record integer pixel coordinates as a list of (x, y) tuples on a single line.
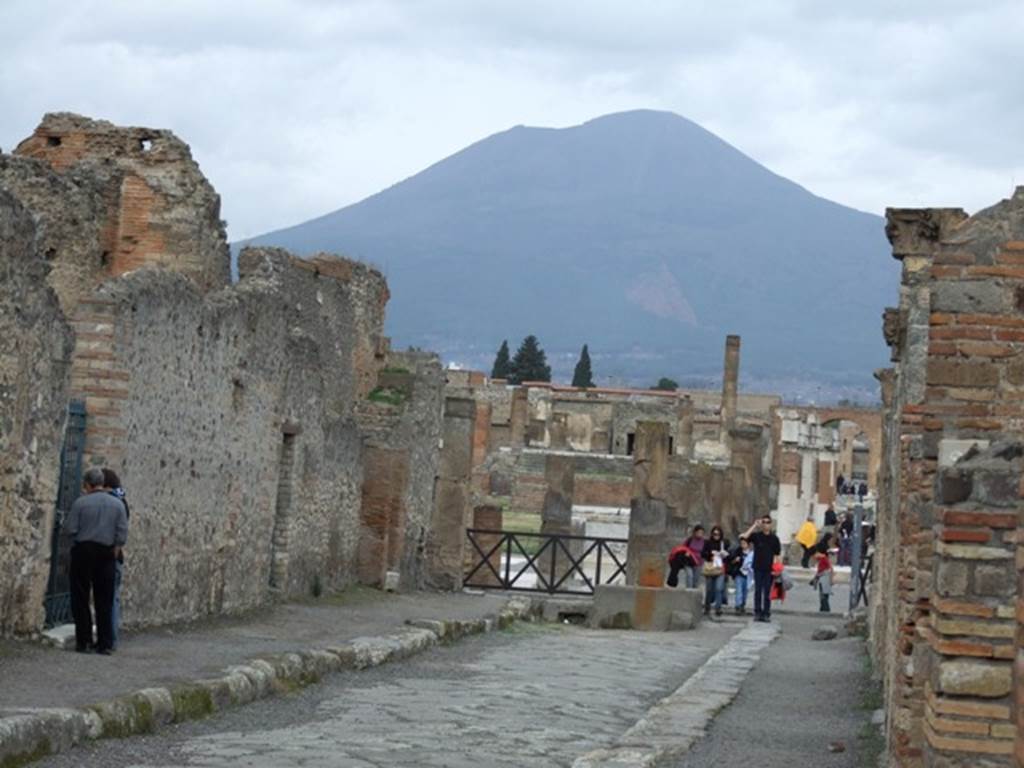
[(746, 454), (684, 449), (447, 536), (649, 510), (730, 383), (519, 416), (486, 517), (556, 514)]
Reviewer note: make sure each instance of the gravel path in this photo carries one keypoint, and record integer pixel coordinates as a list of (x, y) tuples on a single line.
[(799, 698)]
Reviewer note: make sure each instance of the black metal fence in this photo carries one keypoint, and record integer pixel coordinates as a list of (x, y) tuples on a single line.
[(58, 588), (543, 562)]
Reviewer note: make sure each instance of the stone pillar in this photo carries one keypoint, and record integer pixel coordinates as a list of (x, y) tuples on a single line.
[(746, 454), (556, 514), (487, 517), (684, 448), (730, 384), (649, 510), (519, 417), (446, 541), (481, 447)]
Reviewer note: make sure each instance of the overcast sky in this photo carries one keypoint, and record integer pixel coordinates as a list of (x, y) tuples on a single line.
[(298, 107)]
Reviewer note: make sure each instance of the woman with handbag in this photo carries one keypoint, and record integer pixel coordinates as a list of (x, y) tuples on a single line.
[(716, 552)]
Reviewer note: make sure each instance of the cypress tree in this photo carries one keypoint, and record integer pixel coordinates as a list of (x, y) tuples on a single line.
[(530, 363), (502, 368), (583, 376)]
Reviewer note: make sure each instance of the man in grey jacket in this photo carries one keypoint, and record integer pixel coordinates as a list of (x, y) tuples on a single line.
[(98, 527)]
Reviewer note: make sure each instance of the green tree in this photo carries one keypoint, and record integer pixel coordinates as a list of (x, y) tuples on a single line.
[(666, 384), (530, 363), (583, 376), (502, 368)]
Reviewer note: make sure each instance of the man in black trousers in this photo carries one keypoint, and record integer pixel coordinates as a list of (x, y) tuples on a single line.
[(98, 527), (767, 552)]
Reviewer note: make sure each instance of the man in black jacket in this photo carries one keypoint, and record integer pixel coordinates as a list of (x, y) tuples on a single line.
[(767, 551)]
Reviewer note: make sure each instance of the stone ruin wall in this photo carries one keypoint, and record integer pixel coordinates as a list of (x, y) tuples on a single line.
[(401, 461), (229, 411), (946, 614), (34, 381)]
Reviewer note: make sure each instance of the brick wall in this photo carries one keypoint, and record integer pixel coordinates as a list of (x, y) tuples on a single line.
[(950, 491)]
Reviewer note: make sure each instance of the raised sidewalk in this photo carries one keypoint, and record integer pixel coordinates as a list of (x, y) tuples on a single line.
[(52, 699)]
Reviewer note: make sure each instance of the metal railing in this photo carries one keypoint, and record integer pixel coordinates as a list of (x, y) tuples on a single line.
[(561, 564)]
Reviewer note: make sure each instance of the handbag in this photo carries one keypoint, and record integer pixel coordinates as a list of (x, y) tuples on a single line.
[(711, 569)]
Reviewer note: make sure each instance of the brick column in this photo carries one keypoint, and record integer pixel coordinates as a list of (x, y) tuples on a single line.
[(1018, 666), (520, 415), (971, 637), (649, 542), (446, 541), (556, 513)]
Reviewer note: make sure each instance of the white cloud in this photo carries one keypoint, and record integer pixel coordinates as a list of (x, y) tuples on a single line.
[(297, 107)]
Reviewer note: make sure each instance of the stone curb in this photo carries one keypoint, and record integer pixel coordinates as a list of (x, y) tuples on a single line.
[(33, 735), (674, 724)]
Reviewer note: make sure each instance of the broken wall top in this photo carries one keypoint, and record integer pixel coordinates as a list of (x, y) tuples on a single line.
[(155, 206)]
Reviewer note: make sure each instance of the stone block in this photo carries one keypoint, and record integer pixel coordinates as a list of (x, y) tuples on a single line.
[(954, 486), (825, 632), (951, 450), (647, 608), (990, 680), (951, 578), (971, 297), (995, 579)]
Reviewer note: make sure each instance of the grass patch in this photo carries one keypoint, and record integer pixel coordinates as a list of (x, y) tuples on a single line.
[(386, 396), (523, 522), (394, 369)]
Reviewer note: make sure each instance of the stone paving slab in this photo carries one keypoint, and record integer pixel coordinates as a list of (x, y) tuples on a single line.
[(537, 695), (28, 733)]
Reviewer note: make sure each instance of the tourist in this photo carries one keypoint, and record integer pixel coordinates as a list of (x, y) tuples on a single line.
[(862, 491), (715, 553), (840, 483), (830, 520), (741, 568), (679, 559), (112, 485), (823, 575), (767, 551), (97, 526), (845, 539), (695, 543), (807, 537)]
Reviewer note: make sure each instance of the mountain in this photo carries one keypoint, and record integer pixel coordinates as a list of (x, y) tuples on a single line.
[(639, 233)]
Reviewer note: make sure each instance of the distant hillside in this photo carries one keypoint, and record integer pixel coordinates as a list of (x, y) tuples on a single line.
[(639, 233)]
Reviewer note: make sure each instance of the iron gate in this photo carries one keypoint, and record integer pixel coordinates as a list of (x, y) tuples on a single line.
[(58, 588), (561, 564)]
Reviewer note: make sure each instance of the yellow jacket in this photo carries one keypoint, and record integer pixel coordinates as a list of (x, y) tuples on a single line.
[(807, 535)]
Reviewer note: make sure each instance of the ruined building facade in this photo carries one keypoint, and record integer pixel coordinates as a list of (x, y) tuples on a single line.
[(946, 613), (247, 421)]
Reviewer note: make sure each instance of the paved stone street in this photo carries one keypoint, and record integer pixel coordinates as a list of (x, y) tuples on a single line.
[(536, 695)]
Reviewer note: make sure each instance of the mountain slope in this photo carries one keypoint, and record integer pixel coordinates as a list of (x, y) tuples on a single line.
[(639, 233)]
